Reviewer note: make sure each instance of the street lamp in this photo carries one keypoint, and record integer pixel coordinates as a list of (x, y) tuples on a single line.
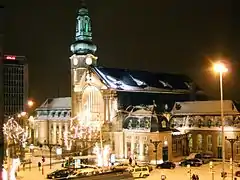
[(221, 68), (50, 147), (211, 169), (189, 171), (155, 143), (30, 103), (232, 141)]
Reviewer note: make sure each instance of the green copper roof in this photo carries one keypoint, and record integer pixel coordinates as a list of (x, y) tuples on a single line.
[(83, 38)]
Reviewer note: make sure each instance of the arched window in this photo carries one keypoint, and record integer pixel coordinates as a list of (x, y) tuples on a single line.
[(219, 140), (199, 142), (209, 142), (190, 142)]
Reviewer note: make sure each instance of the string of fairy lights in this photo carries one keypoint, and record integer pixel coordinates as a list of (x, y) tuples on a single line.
[(13, 131)]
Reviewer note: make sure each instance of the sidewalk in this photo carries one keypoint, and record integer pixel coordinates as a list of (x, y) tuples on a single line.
[(35, 174)]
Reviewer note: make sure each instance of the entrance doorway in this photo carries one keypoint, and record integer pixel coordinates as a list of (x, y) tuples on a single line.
[(165, 153), (219, 152)]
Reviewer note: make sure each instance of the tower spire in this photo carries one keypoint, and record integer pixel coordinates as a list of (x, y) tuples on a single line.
[(83, 37)]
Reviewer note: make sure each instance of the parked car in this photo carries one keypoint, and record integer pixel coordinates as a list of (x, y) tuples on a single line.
[(121, 167), (62, 173), (237, 173), (83, 173), (166, 165), (192, 162), (205, 157), (140, 172)]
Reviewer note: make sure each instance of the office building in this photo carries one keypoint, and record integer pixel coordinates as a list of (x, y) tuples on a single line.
[(15, 84)]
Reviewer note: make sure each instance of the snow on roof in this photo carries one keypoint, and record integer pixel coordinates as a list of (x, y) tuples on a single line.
[(141, 112), (144, 81), (56, 103), (204, 108)]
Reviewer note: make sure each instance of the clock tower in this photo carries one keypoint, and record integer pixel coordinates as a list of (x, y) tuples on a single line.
[(83, 51)]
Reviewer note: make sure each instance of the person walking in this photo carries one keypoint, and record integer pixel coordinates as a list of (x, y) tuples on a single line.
[(197, 177), (193, 177), (39, 166), (130, 161)]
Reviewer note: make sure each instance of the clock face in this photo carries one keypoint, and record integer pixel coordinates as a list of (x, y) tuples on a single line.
[(75, 61), (88, 60)]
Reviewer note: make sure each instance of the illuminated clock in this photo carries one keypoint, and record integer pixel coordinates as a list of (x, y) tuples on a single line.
[(88, 60), (75, 61)]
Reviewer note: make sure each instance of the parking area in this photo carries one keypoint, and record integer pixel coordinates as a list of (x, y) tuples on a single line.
[(182, 173)]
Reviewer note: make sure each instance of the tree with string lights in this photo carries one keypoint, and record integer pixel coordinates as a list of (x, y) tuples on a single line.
[(14, 134)]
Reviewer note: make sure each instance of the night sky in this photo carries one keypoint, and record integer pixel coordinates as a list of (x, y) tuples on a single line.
[(179, 36)]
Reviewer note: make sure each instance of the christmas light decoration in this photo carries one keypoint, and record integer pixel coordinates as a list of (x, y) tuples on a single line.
[(103, 155), (4, 174), (14, 134), (14, 131)]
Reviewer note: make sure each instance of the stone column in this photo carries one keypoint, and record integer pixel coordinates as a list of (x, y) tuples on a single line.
[(109, 108), (60, 133), (54, 133), (204, 142), (105, 108), (42, 131), (65, 127), (36, 130), (194, 140), (214, 143), (132, 144)]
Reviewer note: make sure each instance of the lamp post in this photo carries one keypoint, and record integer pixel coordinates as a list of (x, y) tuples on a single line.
[(189, 171), (50, 147), (232, 141), (155, 143), (211, 169), (221, 68)]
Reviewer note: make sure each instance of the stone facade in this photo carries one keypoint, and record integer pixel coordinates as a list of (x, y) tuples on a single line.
[(200, 123), (52, 122)]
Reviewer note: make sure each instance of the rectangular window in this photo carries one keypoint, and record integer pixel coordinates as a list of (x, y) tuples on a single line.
[(237, 148), (174, 146), (145, 149), (136, 148), (209, 143)]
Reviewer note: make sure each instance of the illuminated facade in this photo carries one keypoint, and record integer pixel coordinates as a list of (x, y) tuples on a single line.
[(51, 123), (100, 96), (200, 123)]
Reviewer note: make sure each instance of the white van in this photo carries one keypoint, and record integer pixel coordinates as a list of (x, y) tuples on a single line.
[(140, 171)]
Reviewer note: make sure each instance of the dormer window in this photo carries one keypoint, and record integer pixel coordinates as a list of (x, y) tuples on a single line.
[(165, 84), (164, 124), (187, 84), (52, 114), (178, 106), (139, 83)]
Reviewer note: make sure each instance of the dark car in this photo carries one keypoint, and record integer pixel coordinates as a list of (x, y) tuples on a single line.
[(62, 173), (237, 173), (192, 162), (166, 165)]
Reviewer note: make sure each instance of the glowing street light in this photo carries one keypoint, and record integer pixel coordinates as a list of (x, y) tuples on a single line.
[(221, 68), (30, 103)]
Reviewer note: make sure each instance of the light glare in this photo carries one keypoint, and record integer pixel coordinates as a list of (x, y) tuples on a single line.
[(220, 68)]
